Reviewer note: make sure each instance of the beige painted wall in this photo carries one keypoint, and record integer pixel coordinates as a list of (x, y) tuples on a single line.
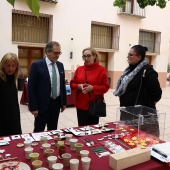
[(72, 19)]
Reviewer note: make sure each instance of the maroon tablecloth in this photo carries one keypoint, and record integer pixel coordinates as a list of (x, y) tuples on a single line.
[(96, 163), (24, 96)]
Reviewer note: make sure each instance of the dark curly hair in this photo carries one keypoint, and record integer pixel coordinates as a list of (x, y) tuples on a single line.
[(140, 50)]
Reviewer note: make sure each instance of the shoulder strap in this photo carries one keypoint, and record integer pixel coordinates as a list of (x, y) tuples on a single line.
[(141, 81), (85, 74)]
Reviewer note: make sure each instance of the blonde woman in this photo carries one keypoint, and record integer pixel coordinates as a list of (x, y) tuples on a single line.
[(9, 106)]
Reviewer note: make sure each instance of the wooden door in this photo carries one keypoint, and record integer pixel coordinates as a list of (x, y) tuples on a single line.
[(103, 59), (28, 55), (149, 58)]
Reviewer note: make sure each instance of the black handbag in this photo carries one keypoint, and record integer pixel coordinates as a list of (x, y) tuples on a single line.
[(97, 108)]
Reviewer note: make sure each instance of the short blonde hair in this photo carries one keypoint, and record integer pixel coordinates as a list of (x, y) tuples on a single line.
[(93, 51), (7, 57)]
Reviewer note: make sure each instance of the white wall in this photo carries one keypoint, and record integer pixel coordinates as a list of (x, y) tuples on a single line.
[(5, 29), (72, 19)]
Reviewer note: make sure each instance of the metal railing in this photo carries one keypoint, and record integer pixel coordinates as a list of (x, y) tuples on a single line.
[(51, 1), (132, 9)]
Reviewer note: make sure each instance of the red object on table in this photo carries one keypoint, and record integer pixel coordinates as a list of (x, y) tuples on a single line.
[(96, 162), (24, 97), (71, 98)]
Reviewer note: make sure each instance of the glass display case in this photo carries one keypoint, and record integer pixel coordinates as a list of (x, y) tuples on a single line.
[(139, 125)]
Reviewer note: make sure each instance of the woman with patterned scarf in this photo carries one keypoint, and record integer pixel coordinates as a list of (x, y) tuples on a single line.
[(139, 83)]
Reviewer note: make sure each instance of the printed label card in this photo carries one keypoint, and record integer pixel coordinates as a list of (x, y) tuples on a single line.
[(14, 137)]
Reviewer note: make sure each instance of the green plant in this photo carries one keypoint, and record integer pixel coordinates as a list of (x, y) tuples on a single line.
[(142, 3), (32, 4)]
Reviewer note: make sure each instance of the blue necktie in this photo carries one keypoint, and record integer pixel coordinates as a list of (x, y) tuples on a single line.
[(54, 82)]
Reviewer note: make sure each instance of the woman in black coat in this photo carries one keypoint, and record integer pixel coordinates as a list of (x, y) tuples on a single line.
[(9, 106), (139, 83)]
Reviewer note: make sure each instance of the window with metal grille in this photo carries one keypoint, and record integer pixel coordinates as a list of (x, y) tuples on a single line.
[(104, 36), (132, 8), (51, 1), (128, 8), (151, 40), (28, 28)]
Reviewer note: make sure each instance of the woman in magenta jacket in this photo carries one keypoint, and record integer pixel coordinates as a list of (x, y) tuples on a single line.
[(95, 84)]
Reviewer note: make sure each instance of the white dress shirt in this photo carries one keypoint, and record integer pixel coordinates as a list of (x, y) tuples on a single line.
[(49, 65)]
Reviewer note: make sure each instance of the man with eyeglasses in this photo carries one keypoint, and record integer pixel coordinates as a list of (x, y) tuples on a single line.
[(46, 89)]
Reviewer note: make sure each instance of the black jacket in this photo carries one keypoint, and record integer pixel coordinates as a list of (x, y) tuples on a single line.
[(144, 89), (9, 108)]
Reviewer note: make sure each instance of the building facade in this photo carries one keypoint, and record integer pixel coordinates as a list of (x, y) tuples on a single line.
[(78, 24)]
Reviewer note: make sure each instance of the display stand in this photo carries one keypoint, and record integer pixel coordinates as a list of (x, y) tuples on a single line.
[(139, 125)]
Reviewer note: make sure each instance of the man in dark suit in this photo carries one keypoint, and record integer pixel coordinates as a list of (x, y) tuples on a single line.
[(46, 89)]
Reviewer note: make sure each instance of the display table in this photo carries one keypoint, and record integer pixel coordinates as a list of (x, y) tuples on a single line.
[(96, 162), (24, 97)]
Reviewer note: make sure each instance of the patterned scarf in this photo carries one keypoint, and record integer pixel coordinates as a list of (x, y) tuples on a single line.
[(126, 78)]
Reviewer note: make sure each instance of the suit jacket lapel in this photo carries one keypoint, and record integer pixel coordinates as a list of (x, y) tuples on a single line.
[(61, 73), (45, 69), (60, 70)]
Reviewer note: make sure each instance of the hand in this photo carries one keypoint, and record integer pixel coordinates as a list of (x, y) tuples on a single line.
[(35, 113), (80, 86), (87, 88), (62, 109)]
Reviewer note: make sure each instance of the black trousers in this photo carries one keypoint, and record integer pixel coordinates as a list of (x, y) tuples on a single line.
[(49, 118), (84, 119)]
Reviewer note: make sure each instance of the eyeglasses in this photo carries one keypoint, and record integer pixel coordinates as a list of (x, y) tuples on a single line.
[(56, 53), (86, 56), (130, 55)]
